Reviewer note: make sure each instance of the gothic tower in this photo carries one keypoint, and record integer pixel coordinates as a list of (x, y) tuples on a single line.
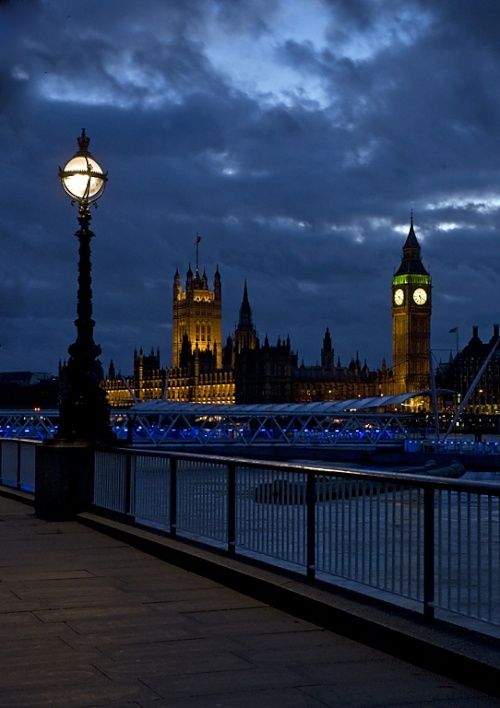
[(327, 354), (197, 314), (411, 320), (245, 335)]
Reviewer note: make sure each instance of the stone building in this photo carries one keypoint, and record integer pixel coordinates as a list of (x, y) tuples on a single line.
[(245, 370), (460, 371)]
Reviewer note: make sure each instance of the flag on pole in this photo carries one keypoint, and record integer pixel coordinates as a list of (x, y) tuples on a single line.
[(197, 243), (453, 330)]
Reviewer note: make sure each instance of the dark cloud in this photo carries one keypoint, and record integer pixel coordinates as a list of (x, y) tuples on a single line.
[(303, 188)]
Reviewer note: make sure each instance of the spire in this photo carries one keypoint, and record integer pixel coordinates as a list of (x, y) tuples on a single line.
[(327, 351), (411, 262), (245, 310), (176, 284), (217, 285), (245, 294), (411, 240), (189, 279)]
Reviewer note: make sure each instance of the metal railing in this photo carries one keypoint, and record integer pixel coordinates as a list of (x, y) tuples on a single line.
[(429, 544), (18, 463)]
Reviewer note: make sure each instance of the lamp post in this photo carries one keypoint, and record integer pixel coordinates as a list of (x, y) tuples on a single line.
[(83, 411)]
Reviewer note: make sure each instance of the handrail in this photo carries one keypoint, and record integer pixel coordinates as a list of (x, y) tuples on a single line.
[(431, 542), (423, 481)]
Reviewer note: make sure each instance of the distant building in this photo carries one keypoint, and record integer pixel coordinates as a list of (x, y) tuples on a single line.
[(28, 389), (24, 378), (148, 381), (460, 371), (246, 371)]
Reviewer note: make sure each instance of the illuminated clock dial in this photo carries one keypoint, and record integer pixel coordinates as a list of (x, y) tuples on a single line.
[(399, 296), (420, 296)]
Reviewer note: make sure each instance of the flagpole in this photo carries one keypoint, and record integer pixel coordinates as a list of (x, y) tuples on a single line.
[(198, 239)]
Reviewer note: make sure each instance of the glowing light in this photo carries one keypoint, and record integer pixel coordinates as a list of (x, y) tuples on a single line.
[(83, 178)]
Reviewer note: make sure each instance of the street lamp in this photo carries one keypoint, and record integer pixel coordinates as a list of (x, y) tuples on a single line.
[(84, 410)]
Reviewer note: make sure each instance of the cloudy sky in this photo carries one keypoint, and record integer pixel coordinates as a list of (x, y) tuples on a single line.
[(294, 135)]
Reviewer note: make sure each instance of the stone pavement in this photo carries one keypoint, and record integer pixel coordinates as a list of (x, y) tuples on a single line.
[(87, 620)]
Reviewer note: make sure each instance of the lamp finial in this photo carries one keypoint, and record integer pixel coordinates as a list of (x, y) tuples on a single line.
[(83, 141)]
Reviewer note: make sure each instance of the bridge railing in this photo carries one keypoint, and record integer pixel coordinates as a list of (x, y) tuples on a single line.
[(18, 463), (429, 544)]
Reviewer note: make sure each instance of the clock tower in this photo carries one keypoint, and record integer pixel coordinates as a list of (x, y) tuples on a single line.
[(411, 320)]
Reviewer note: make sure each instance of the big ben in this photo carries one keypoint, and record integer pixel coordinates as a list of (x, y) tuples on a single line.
[(411, 320)]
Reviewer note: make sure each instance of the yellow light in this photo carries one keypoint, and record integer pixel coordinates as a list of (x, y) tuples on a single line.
[(83, 178)]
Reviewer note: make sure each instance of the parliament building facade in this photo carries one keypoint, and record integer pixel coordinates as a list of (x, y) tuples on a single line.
[(242, 369)]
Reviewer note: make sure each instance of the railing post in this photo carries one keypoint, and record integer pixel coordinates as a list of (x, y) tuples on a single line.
[(311, 526), (64, 479), (18, 470), (231, 509), (1, 462), (429, 553), (173, 496), (128, 482)]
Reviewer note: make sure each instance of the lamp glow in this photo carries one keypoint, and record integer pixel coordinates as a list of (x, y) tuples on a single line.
[(82, 178)]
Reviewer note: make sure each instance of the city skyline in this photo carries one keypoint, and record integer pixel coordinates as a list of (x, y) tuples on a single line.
[(294, 137)]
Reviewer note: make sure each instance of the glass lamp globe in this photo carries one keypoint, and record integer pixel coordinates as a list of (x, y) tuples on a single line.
[(82, 178)]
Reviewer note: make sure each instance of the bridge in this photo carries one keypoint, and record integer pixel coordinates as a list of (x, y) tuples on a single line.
[(379, 424), (369, 421)]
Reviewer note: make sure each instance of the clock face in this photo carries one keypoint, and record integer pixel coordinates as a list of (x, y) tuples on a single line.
[(420, 296), (399, 296)]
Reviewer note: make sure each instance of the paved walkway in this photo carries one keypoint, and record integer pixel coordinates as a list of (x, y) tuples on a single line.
[(86, 620)]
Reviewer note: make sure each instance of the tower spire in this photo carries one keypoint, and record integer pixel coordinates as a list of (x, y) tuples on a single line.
[(245, 335), (411, 261), (245, 309)]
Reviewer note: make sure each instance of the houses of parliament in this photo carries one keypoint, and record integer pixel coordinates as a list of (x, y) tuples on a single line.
[(244, 369)]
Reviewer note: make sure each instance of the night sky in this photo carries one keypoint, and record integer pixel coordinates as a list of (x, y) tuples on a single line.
[(294, 135)]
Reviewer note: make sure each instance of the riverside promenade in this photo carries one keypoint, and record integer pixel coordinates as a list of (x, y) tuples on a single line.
[(89, 620)]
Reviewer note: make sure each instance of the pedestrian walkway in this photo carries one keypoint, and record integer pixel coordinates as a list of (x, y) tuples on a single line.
[(86, 620)]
